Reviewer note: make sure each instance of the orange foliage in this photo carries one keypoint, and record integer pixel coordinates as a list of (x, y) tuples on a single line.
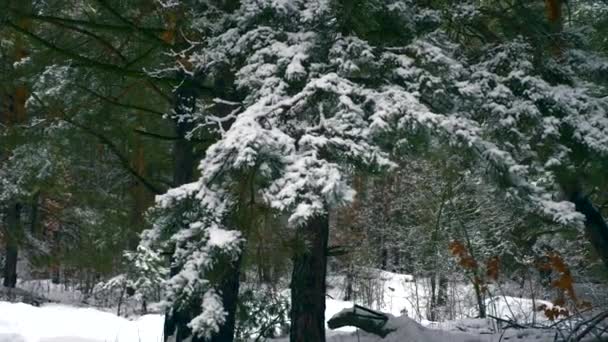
[(555, 312), (493, 268), (564, 283), (465, 260), (168, 36)]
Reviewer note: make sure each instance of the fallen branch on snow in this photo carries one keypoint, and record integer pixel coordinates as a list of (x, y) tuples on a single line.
[(404, 329)]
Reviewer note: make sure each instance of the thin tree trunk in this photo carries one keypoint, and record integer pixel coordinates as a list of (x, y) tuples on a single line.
[(481, 305), (442, 291), (348, 294), (55, 274), (308, 283), (433, 305), (34, 216), (12, 231), (142, 197)]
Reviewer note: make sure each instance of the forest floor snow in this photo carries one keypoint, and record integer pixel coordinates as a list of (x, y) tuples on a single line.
[(397, 294), (61, 323)]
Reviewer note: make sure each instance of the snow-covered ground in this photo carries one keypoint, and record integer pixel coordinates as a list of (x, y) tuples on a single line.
[(60, 323), (400, 294), (397, 294)]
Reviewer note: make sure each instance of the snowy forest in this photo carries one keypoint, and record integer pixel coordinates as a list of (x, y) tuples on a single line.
[(303, 170)]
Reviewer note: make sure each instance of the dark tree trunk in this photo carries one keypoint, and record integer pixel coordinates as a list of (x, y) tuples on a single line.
[(384, 259), (433, 304), (10, 266), (13, 222), (481, 305), (183, 150), (595, 225), (396, 260), (176, 320), (176, 325), (442, 291), (348, 292), (230, 293), (308, 283), (55, 274)]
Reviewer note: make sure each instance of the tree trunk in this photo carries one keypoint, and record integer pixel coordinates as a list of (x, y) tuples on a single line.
[(442, 291), (348, 292), (176, 321), (183, 149), (481, 305), (10, 266), (308, 283), (433, 304), (595, 225), (34, 215), (12, 231), (15, 114), (141, 195), (55, 274), (176, 327), (230, 292)]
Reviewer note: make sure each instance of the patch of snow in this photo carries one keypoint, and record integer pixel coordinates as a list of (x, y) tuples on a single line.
[(53, 323)]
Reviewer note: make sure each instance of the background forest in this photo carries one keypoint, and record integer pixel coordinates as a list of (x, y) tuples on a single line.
[(235, 165)]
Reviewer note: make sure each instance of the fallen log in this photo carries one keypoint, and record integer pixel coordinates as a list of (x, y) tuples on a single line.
[(16, 295), (403, 329), (368, 320)]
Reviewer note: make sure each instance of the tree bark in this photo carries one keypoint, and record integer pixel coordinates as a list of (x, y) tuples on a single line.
[(229, 287), (442, 291), (13, 222), (183, 149), (184, 163), (595, 225), (481, 305), (433, 299), (308, 282), (15, 114), (176, 319)]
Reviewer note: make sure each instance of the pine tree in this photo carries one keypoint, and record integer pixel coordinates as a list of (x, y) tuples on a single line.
[(326, 85)]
